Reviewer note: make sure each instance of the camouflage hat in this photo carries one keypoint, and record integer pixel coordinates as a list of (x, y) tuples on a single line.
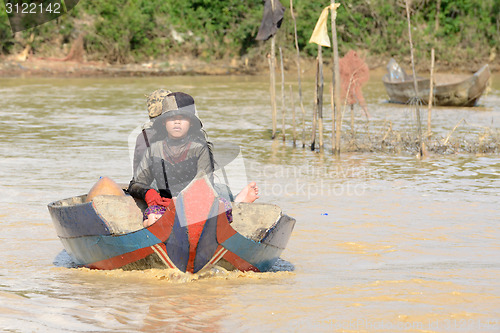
[(179, 103), (154, 102)]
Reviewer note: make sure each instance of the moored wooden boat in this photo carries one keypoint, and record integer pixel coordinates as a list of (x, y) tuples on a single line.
[(449, 89), (194, 233)]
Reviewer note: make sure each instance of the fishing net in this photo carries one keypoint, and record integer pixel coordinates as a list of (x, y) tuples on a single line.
[(354, 73)]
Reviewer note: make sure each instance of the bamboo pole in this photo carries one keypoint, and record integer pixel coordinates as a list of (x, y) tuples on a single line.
[(282, 96), (294, 122), (273, 79), (298, 75), (332, 104), (431, 92), (337, 116), (320, 97), (415, 84), (352, 120), (315, 110)]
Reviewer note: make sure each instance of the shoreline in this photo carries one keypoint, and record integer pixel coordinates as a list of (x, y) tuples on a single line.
[(56, 68), (45, 67)]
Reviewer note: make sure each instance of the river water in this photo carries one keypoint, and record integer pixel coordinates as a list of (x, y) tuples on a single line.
[(382, 243)]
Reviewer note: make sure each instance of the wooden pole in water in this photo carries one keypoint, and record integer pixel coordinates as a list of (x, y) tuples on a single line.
[(336, 79), (320, 96), (431, 92), (273, 79), (294, 123), (282, 96), (315, 111), (415, 84), (334, 114), (298, 75), (352, 120)]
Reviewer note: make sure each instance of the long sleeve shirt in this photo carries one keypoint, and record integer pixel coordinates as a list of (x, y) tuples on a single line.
[(170, 168)]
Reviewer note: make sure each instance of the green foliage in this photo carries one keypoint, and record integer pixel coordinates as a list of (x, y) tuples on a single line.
[(138, 29), (122, 31), (6, 36)]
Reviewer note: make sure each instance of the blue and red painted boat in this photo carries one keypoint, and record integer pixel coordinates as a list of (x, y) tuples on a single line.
[(194, 234)]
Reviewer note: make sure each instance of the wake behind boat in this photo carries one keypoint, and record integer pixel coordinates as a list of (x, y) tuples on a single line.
[(106, 232)]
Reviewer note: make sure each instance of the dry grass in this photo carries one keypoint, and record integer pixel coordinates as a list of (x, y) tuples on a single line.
[(394, 141)]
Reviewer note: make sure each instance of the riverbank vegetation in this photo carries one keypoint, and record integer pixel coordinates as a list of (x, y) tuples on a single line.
[(463, 32)]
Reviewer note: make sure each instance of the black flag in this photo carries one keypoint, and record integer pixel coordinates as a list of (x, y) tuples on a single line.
[(271, 20)]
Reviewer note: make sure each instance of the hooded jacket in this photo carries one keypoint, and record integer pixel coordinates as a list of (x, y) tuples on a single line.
[(169, 166)]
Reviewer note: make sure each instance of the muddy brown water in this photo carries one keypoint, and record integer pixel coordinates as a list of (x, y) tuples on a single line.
[(383, 242)]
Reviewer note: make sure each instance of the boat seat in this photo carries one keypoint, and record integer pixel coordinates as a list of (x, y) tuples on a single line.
[(120, 213)]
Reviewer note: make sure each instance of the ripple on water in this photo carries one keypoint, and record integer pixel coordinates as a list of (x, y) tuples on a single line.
[(380, 239)]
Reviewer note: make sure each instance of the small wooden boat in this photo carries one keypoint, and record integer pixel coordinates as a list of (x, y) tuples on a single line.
[(193, 234), (449, 89)]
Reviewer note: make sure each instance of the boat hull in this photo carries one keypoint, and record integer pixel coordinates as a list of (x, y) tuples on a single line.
[(180, 239), (449, 90)]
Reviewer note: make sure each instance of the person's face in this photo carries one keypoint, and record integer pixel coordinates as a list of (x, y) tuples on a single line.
[(177, 126)]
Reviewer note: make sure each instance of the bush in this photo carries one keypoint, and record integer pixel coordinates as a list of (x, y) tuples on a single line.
[(6, 36), (122, 31)]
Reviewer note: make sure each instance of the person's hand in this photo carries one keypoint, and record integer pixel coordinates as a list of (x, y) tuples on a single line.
[(152, 198), (152, 218)]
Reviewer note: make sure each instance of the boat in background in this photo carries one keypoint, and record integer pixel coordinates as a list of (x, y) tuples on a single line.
[(448, 90), (106, 232)]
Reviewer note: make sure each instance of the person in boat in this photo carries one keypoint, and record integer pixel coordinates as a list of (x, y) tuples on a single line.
[(179, 151), (145, 138)]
